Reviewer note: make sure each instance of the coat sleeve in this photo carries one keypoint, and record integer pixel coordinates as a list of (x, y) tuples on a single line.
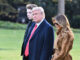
[(47, 49), (24, 41), (26, 32)]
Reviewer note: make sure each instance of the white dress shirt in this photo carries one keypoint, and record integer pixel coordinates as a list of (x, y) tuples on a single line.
[(40, 22)]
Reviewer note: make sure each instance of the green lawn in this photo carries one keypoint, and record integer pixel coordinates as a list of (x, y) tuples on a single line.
[(10, 44), (76, 46), (11, 41)]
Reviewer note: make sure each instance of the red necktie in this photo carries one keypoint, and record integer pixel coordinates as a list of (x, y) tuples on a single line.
[(27, 46)]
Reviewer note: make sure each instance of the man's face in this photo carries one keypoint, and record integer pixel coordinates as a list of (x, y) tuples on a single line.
[(37, 16), (29, 14)]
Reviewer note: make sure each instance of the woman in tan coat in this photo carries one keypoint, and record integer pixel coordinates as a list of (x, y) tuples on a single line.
[(64, 41)]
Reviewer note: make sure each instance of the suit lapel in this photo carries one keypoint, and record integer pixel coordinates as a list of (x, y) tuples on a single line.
[(38, 30), (30, 30)]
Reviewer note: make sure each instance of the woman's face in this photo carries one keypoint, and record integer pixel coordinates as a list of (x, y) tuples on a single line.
[(56, 24)]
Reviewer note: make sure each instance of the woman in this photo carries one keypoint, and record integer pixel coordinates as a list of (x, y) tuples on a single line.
[(64, 40)]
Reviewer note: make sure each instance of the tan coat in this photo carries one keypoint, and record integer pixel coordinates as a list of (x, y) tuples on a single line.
[(63, 45)]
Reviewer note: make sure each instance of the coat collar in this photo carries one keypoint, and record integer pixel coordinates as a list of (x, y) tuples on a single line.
[(40, 27)]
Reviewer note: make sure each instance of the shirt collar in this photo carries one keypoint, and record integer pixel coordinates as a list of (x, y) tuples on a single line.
[(39, 22)]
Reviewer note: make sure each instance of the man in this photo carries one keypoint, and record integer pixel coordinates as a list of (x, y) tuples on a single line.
[(39, 45), (29, 15)]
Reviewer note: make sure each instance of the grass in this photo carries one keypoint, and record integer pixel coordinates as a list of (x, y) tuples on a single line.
[(10, 25), (76, 46), (10, 44), (11, 41)]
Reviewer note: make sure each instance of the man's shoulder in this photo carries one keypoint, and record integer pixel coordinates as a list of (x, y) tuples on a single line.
[(30, 23), (47, 23)]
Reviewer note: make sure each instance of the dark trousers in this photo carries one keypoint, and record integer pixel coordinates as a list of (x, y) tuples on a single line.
[(25, 57)]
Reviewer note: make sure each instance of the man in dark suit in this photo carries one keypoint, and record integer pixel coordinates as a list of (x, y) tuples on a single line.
[(29, 15), (39, 43)]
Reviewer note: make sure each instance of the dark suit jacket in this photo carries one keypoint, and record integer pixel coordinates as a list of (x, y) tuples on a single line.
[(41, 43), (25, 36)]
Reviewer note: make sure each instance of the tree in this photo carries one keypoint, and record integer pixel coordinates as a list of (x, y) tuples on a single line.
[(61, 6)]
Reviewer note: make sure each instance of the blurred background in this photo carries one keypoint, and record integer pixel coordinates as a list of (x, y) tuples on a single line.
[(15, 10), (13, 23)]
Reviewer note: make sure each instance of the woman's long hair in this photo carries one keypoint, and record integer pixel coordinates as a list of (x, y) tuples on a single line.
[(62, 20)]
